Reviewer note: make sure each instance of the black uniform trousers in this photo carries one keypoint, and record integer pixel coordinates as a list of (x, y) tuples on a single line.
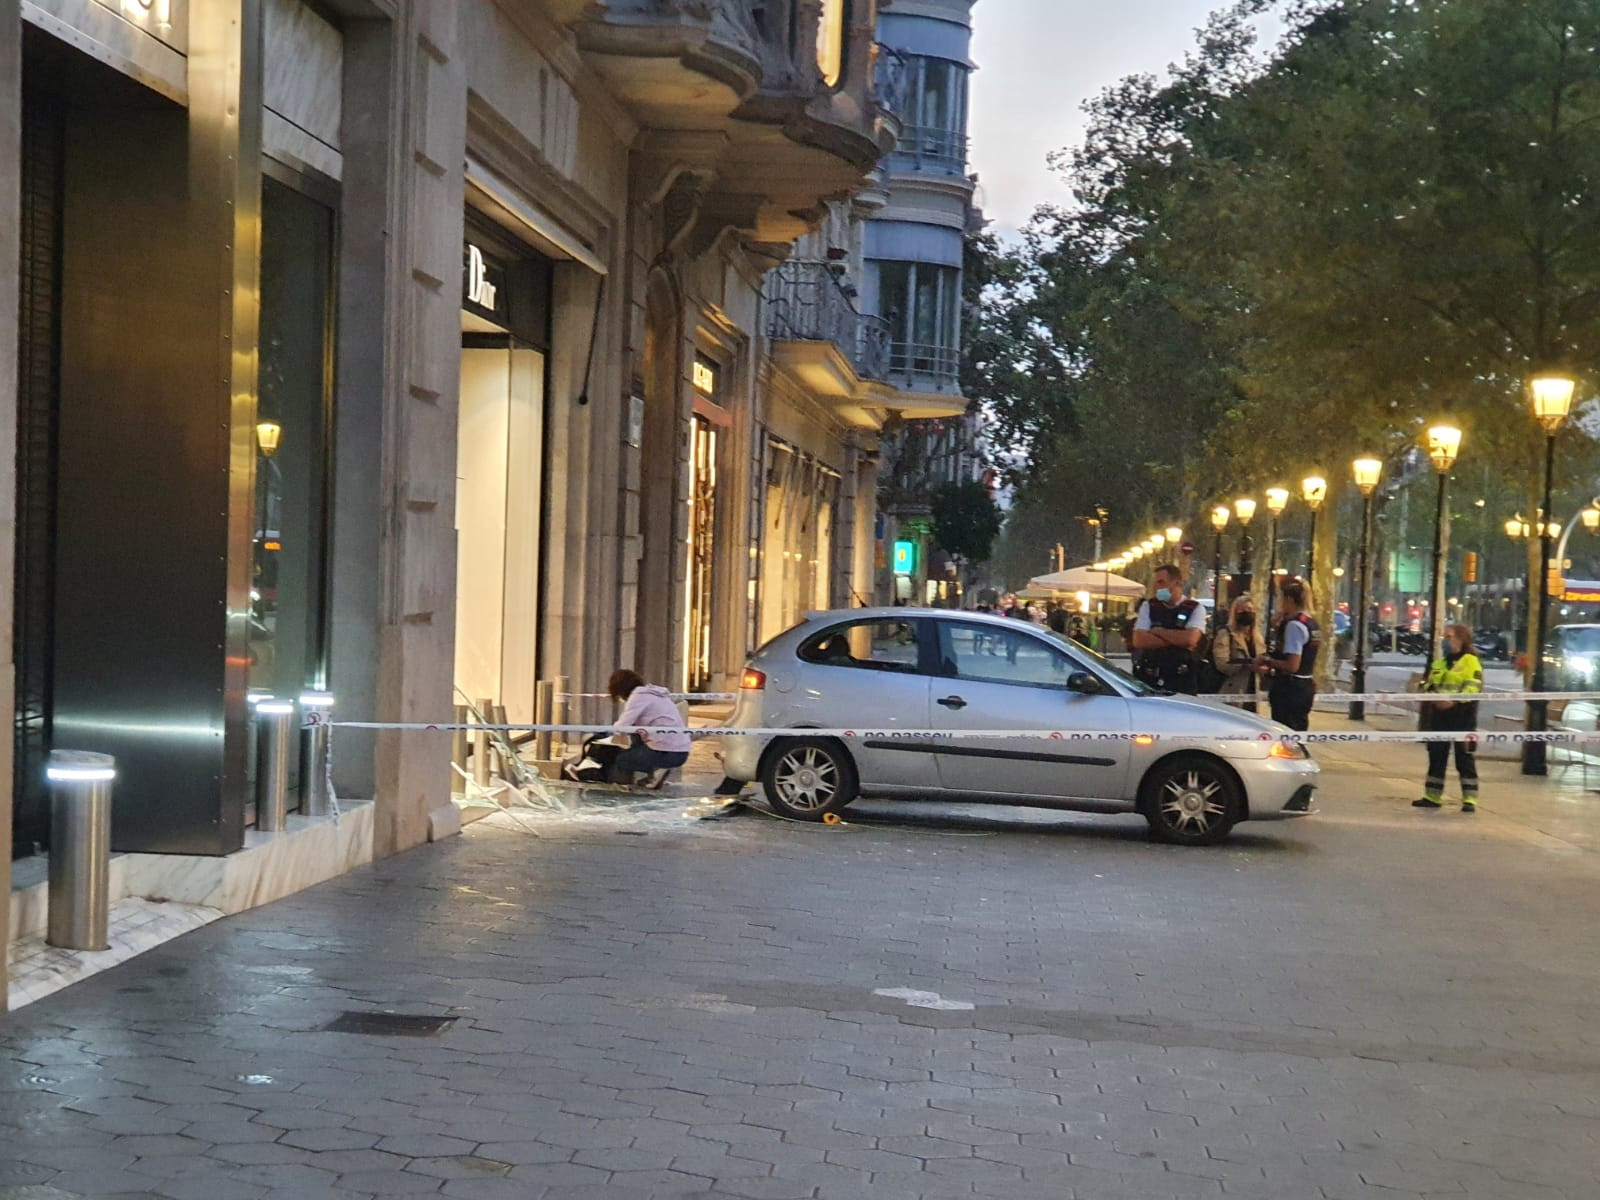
[(1290, 698), (1461, 718)]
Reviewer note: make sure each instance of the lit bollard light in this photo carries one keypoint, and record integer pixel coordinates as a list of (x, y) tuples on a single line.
[(273, 721), (316, 798), (80, 848)]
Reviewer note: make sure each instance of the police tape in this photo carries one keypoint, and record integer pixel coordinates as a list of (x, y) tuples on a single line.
[(933, 737), (1419, 697), (691, 697)]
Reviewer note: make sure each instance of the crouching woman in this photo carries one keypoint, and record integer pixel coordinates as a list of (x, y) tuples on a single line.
[(645, 708)]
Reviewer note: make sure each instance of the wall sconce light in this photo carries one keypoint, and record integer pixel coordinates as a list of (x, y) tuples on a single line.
[(268, 435)]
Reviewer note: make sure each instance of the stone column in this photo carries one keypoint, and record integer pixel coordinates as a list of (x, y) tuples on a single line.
[(417, 643)]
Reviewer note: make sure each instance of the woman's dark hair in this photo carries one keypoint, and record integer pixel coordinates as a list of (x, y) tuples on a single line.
[(1294, 590), (623, 682)]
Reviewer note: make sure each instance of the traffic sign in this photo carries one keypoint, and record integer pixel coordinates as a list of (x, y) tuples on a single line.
[(1186, 548)]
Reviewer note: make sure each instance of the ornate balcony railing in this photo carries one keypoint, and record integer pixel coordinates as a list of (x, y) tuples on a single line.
[(808, 304)]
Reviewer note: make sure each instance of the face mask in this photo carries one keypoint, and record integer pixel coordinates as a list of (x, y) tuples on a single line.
[(1244, 620), (1164, 595)]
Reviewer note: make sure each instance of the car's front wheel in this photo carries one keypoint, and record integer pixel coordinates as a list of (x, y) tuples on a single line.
[(1191, 800), (808, 778)]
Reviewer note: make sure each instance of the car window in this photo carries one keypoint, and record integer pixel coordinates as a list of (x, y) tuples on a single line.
[(865, 645), (995, 654), (1104, 667)]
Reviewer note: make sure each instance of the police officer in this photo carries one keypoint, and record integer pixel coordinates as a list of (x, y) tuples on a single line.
[(1291, 665), (1166, 635), (1457, 675)]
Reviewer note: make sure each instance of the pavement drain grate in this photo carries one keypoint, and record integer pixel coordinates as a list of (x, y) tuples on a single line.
[(388, 1024)]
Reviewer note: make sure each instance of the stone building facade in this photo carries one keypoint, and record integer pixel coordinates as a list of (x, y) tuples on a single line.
[(409, 350)]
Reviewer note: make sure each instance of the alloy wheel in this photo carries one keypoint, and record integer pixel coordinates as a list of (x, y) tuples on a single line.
[(1192, 802), (807, 779)]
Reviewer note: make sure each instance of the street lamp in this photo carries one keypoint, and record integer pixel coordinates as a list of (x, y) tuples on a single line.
[(1277, 501), (1444, 444), (1245, 509), (1219, 522), (1366, 472), (1313, 490), (1551, 394)]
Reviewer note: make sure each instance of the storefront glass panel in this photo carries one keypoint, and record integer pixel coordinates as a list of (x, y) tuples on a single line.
[(288, 591)]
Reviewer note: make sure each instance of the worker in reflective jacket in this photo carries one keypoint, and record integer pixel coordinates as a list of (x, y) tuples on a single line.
[(1457, 675)]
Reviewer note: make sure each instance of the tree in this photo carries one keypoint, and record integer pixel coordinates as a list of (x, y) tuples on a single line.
[(965, 520)]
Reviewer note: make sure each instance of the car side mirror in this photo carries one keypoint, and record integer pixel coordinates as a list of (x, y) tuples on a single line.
[(1082, 681)]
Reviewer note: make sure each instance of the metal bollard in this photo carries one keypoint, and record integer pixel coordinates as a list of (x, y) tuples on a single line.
[(80, 848), (273, 720), (544, 692), (458, 750), (558, 715), (482, 768), (316, 709)]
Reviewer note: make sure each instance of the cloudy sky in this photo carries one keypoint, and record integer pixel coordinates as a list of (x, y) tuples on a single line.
[(1038, 61)]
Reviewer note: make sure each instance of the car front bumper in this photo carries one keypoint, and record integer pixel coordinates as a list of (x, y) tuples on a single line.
[(1277, 788)]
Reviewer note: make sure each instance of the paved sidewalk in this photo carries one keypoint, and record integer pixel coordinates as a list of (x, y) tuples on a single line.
[(1373, 1003)]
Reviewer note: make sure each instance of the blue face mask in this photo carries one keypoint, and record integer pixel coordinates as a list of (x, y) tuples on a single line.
[(1164, 595)]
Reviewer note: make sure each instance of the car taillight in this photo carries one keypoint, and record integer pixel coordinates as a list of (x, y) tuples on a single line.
[(752, 681)]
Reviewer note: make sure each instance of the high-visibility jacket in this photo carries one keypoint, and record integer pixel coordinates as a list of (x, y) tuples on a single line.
[(1464, 676)]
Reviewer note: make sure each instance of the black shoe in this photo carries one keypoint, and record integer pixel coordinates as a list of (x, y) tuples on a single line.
[(1426, 802), (1469, 806)]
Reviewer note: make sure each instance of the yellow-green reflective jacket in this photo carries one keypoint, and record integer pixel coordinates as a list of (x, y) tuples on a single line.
[(1465, 675)]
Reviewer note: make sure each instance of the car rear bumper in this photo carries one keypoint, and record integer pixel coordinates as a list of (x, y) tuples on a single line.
[(741, 757)]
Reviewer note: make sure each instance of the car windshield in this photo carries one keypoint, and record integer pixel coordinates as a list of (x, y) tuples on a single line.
[(1102, 664), (1580, 641)]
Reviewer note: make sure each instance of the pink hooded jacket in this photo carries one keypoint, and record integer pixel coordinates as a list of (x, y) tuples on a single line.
[(648, 706)]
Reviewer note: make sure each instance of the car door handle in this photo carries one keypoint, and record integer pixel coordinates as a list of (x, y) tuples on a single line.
[(953, 702)]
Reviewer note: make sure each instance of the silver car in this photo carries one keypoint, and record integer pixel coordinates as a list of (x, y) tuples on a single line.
[(891, 681)]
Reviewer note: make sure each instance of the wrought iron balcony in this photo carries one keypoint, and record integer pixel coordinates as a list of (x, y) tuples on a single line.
[(925, 362), (809, 304)]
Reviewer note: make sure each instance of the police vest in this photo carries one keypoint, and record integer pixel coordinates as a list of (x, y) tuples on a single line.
[(1308, 656), (1171, 616)]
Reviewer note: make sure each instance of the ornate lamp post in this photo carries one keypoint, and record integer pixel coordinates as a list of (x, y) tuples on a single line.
[(1551, 393), (1219, 522), (1313, 490), (1366, 472), (1277, 501), (1444, 444), (1245, 509)]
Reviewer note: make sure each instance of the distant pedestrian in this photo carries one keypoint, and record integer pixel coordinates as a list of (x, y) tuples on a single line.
[(1457, 674), (1290, 666), (1235, 648), (1058, 619), (1167, 633)]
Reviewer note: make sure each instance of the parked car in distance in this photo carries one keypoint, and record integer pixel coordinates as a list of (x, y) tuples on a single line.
[(1572, 658), (893, 681)]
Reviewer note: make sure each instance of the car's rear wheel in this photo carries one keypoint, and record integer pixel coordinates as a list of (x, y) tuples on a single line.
[(1191, 800), (808, 778)]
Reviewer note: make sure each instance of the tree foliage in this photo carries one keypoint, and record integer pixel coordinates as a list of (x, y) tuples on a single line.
[(1275, 260), (965, 520)]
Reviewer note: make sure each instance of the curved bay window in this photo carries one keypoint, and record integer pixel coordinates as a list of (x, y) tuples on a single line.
[(922, 304), (931, 94)]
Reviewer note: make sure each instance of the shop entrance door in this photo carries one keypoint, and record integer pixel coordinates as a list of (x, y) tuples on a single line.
[(702, 553), (499, 484)]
